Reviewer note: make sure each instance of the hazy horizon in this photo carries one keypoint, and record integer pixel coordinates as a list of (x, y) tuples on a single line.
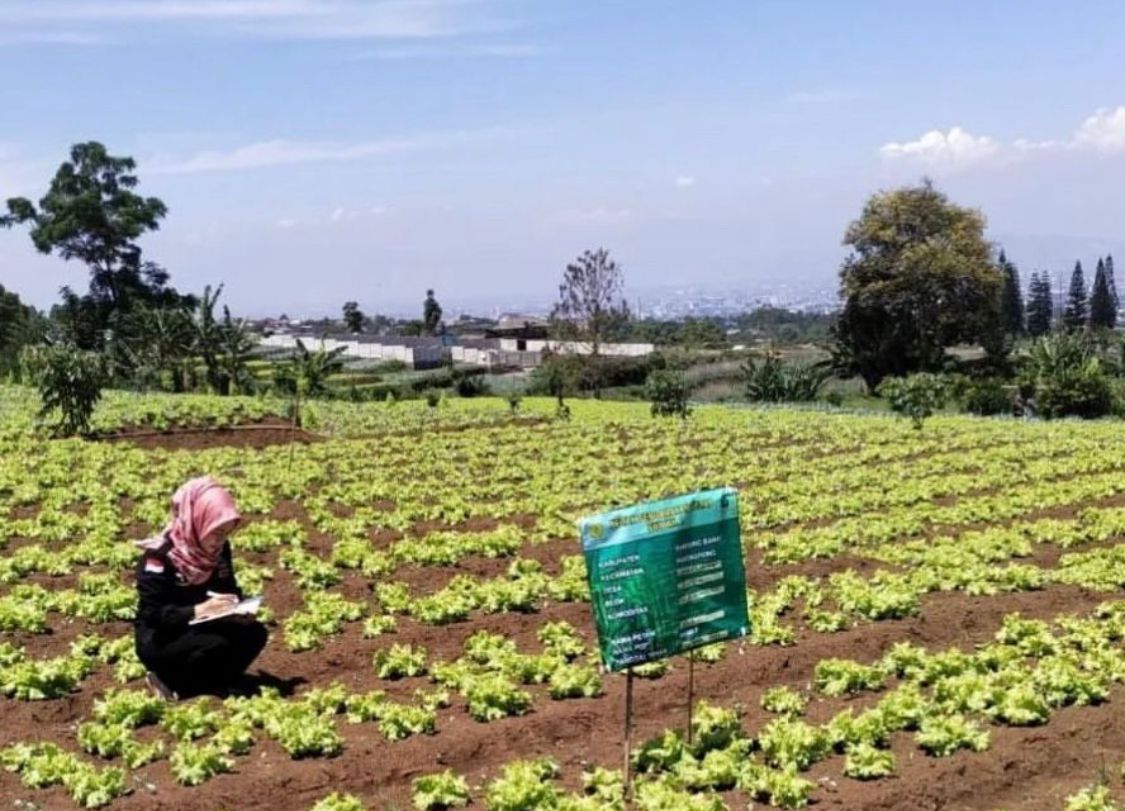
[(316, 152)]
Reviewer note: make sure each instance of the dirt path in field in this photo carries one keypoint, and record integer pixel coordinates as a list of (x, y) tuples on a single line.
[(1023, 769), (264, 433)]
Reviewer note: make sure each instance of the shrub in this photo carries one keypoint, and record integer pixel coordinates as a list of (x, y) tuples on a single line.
[(1067, 377), (471, 384), (569, 374), (70, 382), (668, 393), (987, 397), (917, 396)]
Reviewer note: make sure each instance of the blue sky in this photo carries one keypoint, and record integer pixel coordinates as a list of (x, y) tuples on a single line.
[(313, 151)]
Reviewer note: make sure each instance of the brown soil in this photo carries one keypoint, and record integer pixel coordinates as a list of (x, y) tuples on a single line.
[(262, 434), (1026, 768)]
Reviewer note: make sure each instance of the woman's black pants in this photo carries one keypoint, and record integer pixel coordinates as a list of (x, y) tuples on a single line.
[(207, 657)]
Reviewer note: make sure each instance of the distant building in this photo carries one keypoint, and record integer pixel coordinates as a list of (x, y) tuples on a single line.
[(519, 328), (517, 347)]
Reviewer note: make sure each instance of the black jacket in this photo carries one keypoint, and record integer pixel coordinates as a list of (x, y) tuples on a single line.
[(165, 604)]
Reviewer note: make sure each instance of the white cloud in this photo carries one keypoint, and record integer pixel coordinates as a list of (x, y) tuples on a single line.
[(956, 147), (51, 38), (1104, 131), (809, 98), (685, 181), (499, 51), (296, 19), (134, 10), (286, 223), (280, 152), (603, 215)]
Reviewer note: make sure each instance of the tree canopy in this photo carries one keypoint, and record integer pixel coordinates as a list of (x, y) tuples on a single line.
[(20, 325), (591, 304), (92, 213), (353, 317), (920, 278)]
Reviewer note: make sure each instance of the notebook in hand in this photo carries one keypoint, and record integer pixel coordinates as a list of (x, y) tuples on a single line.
[(248, 606)]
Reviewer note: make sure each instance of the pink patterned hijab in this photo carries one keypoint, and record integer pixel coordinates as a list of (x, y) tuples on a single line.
[(199, 507)]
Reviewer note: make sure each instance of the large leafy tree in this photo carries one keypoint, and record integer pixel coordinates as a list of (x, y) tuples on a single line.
[(1103, 312), (1039, 305), (1013, 297), (919, 279), (1077, 307), (91, 213)]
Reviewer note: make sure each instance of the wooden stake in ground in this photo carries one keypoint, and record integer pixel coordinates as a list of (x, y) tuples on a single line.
[(690, 692), (628, 734)]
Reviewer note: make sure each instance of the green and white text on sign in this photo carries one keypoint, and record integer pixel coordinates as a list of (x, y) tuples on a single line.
[(666, 576)]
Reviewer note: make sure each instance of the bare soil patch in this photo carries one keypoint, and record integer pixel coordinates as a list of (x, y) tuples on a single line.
[(257, 435)]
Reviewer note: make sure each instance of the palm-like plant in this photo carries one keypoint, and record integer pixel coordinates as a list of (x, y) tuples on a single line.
[(307, 373), (772, 380), (225, 345)]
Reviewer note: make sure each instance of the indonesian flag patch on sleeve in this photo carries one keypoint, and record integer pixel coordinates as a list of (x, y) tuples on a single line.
[(154, 565)]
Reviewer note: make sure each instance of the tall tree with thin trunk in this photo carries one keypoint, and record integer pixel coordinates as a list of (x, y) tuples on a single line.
[(1039, 304), (591, 307), (92, 213), (1103, 315), (1013, 297), (1076, 311), (590, 299)]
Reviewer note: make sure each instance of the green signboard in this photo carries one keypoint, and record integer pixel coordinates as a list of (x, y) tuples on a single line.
[(666, 576)]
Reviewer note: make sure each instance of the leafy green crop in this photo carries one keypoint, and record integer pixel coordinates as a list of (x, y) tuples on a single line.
[(435, 792)]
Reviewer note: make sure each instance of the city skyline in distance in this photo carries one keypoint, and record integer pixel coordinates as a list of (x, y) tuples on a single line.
[(369, 152)]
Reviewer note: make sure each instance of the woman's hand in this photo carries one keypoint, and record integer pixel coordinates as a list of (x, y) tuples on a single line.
[(214, 604)]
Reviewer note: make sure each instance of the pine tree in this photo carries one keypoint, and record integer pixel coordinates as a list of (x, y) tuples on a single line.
[(1111, 282), (1074, 315), (1039, 304), (1103, 315), (1012, 305)]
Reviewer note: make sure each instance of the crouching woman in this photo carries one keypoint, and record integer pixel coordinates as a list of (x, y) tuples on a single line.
[(185, 574)]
